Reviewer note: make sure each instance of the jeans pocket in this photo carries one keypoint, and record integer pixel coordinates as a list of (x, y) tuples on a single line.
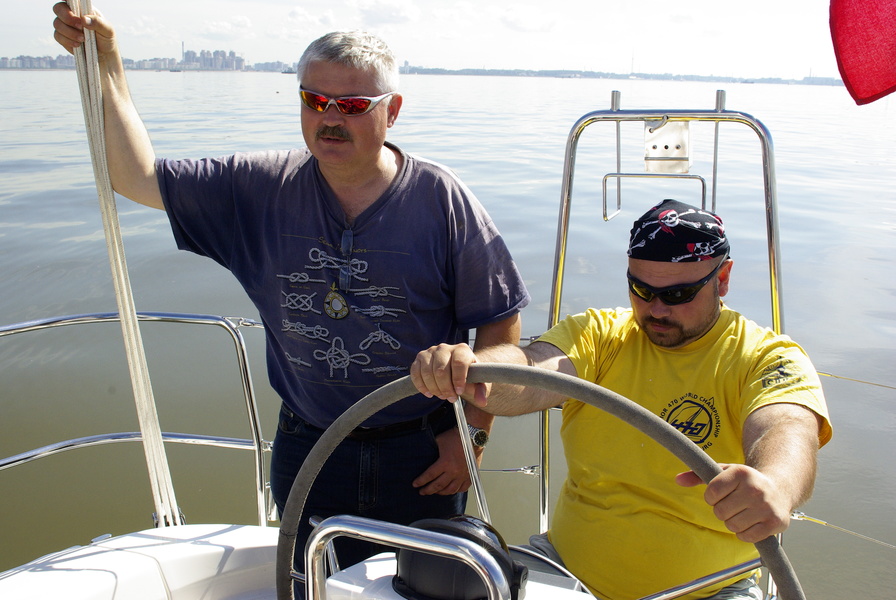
[(434, 432), (289, 423), (448, 422)]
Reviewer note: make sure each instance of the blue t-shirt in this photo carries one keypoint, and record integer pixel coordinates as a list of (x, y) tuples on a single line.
[(345, 308)]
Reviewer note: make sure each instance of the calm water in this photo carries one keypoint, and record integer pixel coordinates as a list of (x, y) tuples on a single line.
[(505, 137)]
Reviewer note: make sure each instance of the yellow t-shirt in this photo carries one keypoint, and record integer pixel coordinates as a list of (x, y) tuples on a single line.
[(622, 524)]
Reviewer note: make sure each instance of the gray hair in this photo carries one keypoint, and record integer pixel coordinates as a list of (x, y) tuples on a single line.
[(357, 49)]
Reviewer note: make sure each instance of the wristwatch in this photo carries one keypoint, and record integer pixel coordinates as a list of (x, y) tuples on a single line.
[(478, 436)]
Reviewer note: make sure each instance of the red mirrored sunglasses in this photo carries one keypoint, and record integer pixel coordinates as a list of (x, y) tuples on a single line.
[(347, 105)]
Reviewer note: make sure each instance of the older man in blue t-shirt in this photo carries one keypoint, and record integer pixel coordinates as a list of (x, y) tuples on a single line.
[(356, 254)]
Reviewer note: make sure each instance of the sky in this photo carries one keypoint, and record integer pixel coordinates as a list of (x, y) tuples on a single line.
[(760, 38)]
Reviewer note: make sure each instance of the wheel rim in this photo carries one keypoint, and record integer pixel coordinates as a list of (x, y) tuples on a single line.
[(770, 551)]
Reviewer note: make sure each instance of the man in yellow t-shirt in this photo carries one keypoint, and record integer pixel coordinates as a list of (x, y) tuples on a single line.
[(628, 523)]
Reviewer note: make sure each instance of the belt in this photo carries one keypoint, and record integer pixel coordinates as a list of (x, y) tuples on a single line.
[(395, 429)]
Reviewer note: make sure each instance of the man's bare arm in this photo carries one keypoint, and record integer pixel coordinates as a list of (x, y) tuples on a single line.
[(442, 370), (781, 446), (131, 158), (490, 336), (449, 474)]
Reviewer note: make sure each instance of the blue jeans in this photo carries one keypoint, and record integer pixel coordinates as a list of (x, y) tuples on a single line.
[(366, 478)]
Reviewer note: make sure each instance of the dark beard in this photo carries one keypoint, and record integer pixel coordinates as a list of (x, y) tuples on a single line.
[(677, 336)]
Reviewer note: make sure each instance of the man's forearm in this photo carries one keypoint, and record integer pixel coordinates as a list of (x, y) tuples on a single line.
[(488, 336), (781, 441), (512, 399), (130, 154)]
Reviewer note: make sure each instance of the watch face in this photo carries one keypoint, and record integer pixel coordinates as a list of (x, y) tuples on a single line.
[(479, 437)]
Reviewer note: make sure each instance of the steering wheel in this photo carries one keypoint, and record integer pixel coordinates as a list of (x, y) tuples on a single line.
[(770, 551)]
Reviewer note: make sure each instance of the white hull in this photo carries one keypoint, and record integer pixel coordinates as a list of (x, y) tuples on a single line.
[(197, 562), (188, 562)]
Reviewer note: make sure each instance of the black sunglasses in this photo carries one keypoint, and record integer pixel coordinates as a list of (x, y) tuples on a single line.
[(674, 294)]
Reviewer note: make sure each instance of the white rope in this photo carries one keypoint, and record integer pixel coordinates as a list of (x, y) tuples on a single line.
[(153, 447)]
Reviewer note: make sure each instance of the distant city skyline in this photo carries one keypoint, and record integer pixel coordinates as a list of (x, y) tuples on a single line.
[(767, 38), (227, 60)]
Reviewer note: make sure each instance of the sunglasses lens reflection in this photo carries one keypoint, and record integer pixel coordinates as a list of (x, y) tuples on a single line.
[(353, 106), (347, 106), (670, 297), (314, 101), (680, 296)]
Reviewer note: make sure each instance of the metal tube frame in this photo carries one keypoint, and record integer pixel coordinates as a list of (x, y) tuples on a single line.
[(617, 116), (232, 326), (400, 536)]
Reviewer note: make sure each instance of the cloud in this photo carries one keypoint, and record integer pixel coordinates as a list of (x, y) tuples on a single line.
[(302, 20), (145, 37), (525, 19), (291, 35), (145, 27), (236, 28), (381, 13)]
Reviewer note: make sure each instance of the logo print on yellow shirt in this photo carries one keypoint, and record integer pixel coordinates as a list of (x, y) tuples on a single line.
[(692, 419), (780, 373)]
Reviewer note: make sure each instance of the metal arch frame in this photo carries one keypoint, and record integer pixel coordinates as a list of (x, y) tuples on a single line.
[(719, 115), (616, 115), (232, 326), (472, 554)]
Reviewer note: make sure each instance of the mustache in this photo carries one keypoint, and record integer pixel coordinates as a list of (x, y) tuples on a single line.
[(333, 132)]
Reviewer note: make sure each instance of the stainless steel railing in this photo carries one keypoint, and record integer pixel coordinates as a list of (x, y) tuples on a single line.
[(230, 325)]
